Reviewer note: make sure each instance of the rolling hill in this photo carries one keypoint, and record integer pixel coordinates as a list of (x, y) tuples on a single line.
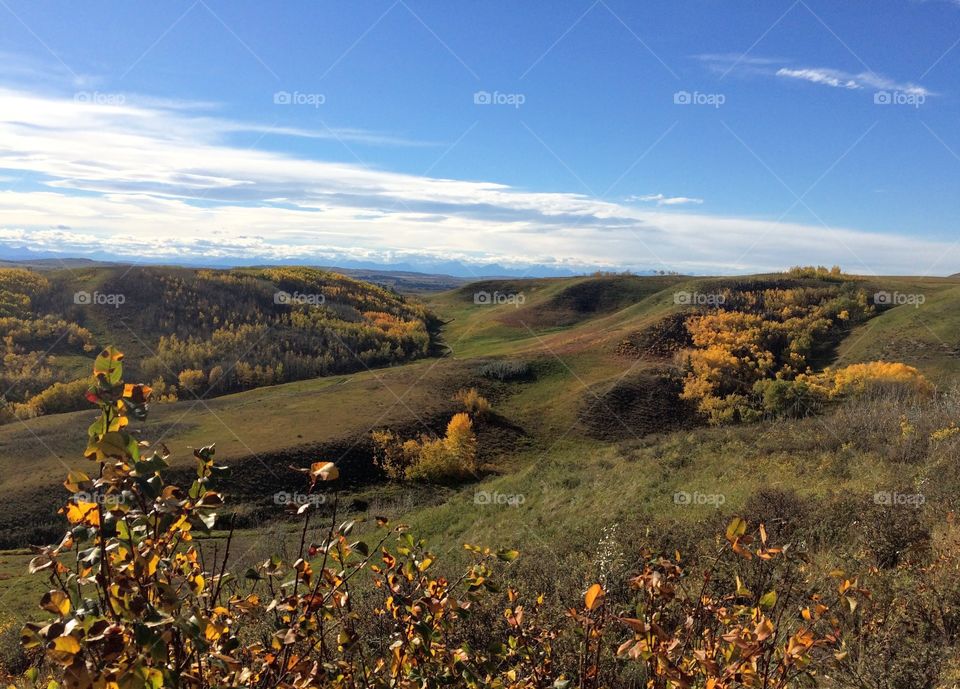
[(591, 426), (197, 332)]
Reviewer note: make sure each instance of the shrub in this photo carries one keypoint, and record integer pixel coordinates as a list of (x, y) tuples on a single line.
[(13, 658), (790, 398), (392, 456), (461, 443), (476, 404), (192, 380), (59, 397), (755, 353), (429, 459), (163, 392), (505, 370), (818, 272), (860, 378)]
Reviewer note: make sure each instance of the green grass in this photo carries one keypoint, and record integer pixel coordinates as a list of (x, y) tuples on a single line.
[(925, 336)]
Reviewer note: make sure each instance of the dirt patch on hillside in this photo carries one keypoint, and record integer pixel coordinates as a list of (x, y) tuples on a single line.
[(639, 405), (661, 340), (498, 437)]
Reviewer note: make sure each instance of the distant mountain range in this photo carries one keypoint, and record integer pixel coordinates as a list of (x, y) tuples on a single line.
[(459, 270)]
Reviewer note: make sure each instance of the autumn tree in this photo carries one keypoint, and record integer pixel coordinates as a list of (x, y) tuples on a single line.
[(192, 380)]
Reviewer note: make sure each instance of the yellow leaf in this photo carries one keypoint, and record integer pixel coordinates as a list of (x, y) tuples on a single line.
[(63, 649), (152, 563), (74, 479), (56, 602), (83, 513)]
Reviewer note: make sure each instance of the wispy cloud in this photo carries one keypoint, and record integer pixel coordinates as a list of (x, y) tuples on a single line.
[(725, 63), (845, 80), (662, 200), (169, 183)]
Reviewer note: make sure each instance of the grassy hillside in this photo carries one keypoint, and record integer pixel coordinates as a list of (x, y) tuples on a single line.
[(579, 337), (586, 439), (197, 332), (924, 334)]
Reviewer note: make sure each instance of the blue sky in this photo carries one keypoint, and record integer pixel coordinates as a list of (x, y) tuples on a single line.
[(703, 137)]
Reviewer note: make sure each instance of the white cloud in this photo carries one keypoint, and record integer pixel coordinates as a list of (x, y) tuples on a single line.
[(662, 200), (725, 63), (168, 183), (827, 77), (840, 79)]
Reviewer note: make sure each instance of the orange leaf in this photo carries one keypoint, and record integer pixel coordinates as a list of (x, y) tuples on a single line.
[(594, 593)]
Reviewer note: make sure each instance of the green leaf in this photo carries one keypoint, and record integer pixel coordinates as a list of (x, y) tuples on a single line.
[(768, 600), (150, 466), (736, 529), (107, 364)]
